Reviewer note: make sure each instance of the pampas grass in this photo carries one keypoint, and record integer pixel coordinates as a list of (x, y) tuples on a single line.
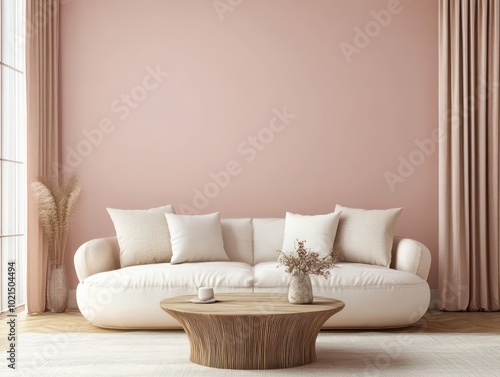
[(57, 205)]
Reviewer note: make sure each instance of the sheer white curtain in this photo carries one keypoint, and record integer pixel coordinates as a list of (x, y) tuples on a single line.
[(12, 152)]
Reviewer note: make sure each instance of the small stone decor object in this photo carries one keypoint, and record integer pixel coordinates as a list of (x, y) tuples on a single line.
[(300, 264), (300, 290)]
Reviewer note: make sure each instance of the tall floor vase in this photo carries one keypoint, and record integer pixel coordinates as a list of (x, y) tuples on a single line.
[(57, 289)]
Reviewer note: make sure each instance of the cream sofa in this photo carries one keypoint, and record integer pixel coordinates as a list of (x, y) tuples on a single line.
[(375, 297)]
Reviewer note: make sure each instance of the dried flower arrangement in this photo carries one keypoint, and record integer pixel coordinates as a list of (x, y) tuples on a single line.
[(304, 261), (57, 205)]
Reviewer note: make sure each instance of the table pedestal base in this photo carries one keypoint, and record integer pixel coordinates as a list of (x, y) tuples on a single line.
[(253, 342)]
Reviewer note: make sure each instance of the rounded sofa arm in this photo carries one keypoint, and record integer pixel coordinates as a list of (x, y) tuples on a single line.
[(411, 256), (99, 255)]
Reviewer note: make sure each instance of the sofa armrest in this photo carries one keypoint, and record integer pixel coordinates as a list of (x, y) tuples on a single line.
[(411, 256), (102, 254)]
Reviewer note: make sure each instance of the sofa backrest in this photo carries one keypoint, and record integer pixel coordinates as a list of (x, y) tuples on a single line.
[(237, 235), (253, 241), (267, 239)]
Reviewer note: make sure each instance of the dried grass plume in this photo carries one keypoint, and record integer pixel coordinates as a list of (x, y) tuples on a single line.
[(57, 205)]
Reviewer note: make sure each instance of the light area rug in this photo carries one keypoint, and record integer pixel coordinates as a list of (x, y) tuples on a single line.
[(166, 353)]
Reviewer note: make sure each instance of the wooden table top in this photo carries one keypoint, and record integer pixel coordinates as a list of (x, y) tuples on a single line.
[(249, 304)]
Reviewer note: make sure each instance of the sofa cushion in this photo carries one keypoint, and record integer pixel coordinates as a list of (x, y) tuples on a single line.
[(187, 276), (142, 235), (318, 232), (196, 238), (375, 296), (363, 276), (267, 239), (237, 235), (366, 236), (130, 297)]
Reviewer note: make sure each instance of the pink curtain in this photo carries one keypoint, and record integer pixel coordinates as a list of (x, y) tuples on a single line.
[(469, 61), (42, 71)]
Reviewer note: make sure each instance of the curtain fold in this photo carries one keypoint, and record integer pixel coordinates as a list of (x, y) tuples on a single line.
[(469, 159), (42, 73)]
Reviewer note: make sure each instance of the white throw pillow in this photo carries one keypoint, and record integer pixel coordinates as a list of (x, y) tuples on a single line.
[(196, 238), (142, 235), (318, 232), (366, 236)]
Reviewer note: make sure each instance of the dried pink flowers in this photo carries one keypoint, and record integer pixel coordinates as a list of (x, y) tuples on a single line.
[(304, 262)]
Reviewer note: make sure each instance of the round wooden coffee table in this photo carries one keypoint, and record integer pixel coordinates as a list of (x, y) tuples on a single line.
[(252, 331)]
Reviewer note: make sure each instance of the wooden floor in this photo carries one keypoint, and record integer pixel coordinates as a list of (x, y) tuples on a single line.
[(435, 321), (432, 322)]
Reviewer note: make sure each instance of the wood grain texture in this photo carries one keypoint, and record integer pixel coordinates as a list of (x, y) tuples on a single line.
[(252, 331), (433, 322)]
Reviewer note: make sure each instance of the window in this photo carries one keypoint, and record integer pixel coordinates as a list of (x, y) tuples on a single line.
[(12, 148)]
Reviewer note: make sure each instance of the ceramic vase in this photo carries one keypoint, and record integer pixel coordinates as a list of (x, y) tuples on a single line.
[(300, 290), (57, 289)]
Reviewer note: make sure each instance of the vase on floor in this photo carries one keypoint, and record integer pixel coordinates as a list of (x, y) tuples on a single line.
[(300, 289), (57, 289)]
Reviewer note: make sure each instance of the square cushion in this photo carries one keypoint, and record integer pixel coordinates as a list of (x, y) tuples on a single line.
[(196, 238), (366, 236), (318, 232), (142, 235)]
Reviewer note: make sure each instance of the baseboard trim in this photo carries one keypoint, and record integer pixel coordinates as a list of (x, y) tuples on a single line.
[(72, 299)]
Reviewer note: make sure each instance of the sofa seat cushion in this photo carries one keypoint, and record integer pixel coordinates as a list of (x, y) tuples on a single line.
[(374, 296), (165, 275), (345, 275), (130, 297)]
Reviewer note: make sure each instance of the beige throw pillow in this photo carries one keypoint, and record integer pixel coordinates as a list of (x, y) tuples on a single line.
[(142, 235), (366, 236), (318, 232), (196, 238)]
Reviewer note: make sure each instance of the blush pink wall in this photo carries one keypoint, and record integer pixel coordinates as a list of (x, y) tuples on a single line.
[(355, 120)]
